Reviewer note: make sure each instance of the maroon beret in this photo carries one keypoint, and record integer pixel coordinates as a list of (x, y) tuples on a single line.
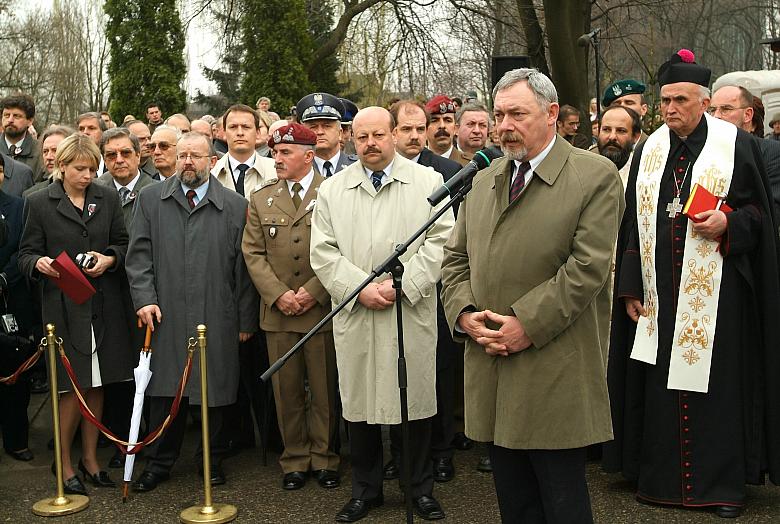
[(294, 133), (439, 105)]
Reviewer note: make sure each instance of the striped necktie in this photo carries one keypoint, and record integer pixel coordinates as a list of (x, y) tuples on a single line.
[(519, 182)]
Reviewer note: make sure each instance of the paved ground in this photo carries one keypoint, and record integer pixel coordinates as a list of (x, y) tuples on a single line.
[(255, 490)]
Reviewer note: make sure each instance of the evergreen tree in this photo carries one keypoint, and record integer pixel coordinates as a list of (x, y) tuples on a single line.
[(323, 75), (278, 51), (147, 62)]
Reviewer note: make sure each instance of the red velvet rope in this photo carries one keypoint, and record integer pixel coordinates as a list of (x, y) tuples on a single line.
[(11, 379), (152, 436)]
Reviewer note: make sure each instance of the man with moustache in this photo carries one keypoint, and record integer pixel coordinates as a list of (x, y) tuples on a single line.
[(50, 139), (322, 113), (185, 268), (142, 133), (531, 298), (18, 114), (442, 128), (411, 123), (276, 250), (619, 129), (359, 217), (693, 366), (473, 124)]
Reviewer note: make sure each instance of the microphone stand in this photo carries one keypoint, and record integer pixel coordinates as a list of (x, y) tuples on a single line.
[(392, 265)]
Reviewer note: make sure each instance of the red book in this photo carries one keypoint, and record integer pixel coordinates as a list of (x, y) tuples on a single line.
[(72, 281), (702, 200)]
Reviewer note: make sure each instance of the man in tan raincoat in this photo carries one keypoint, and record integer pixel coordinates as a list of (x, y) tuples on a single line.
[(360, 216)]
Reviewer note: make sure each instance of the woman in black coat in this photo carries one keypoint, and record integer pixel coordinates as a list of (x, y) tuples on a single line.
[(77, 216)]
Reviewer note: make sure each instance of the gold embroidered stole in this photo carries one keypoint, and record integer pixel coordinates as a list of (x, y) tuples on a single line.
[(697, 302)]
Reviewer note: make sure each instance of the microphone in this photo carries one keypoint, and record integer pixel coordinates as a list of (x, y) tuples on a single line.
[(481, 160), (585, 39)]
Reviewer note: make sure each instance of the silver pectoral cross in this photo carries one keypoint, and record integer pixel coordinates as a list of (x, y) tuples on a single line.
[(674, 207)]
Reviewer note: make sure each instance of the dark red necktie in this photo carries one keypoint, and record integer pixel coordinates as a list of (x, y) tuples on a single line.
[(191, 198), (519, 182)]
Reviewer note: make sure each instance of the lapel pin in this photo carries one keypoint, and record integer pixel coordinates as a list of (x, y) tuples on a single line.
[(270, 201), (311, 204), (91, 209)]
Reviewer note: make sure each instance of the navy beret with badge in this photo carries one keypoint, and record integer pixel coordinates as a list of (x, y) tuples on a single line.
[(627, 86), (319, 106)]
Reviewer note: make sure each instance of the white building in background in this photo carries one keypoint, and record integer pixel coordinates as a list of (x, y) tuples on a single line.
[(763, 84)]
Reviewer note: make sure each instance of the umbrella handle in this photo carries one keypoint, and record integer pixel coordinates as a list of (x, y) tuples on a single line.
[(148, 337)]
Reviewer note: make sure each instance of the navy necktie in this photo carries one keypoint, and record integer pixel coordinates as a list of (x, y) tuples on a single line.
[(242, 168), (376, 179), (328, 166), (123, 194)]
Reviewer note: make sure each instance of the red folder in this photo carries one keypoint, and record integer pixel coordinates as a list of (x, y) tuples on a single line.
[(702, 200), (72, 281)]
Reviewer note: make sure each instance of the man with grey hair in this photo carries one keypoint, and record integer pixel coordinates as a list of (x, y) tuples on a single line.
[(93, 126), (185, 268), (472, 126), (163, 149), (532, 304), (179, 121), (693, 367)]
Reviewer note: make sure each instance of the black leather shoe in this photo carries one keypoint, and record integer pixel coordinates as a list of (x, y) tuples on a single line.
[(428, 508), (327, 478), (443, 470), (728, 512), (484, 464), (294, 480), (356, 509), (462, 442), (148, 481), (99, 479), (73, 486), (391, 471), (117, 460), (25, 455), (217, 475)]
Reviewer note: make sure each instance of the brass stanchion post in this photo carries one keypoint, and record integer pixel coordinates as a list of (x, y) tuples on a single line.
[(61, 504), (208, 512)]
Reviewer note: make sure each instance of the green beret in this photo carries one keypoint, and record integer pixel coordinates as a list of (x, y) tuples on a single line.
[(621, 88)]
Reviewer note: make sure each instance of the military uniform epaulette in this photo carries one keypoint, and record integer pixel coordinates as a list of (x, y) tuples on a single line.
[(265, 183), (353, 158)]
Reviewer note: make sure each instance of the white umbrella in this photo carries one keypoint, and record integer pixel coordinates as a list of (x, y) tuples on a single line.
[(142, 377)]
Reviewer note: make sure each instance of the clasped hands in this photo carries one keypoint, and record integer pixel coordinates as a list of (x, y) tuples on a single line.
[(378, 296), (295, 303), (509, 338)]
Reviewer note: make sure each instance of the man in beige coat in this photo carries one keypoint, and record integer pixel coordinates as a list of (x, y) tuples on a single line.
[(241, 169), (526, 276), (276, 250), (360, 216)]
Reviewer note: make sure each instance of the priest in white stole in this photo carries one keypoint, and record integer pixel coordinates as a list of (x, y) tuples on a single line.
[(694, 372)]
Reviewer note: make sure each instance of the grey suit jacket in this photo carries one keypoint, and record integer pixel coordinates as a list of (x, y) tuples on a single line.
[(128, 207), (18, 176), (344, 161)]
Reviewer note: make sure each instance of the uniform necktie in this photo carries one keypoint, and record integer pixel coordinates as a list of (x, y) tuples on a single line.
[(297, 194), (191, 198), (123, 194), (242, 168), (519, 182), (376, 179), (328, 169)]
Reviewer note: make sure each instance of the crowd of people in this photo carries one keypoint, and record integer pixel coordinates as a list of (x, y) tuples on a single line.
[(571, 307)]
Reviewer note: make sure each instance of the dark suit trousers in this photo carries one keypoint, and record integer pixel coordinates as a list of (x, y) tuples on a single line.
[(14, 400), (541, 486), (118, 407), (162, 454), (443, 423), (366, 455)]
